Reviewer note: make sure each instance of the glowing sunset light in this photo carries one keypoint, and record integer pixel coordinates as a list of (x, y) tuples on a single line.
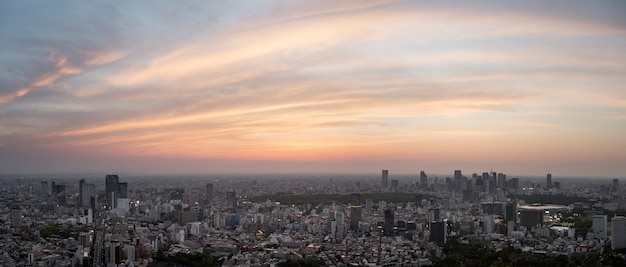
[(314, 86)]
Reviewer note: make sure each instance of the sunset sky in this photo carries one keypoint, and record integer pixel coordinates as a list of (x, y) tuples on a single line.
[(520, 87)]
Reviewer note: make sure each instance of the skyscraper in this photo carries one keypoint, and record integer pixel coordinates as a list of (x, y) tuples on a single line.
[(423, 180), (123, 189), (81, 184), (618, 234), (385, 182), (549, 181), (437, 232), (209, 194), (615, 185), (111, 184), (87, 193), (599, 226), (355, 217), (389, 222)]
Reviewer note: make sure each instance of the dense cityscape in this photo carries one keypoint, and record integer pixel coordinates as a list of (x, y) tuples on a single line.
[(330, 220)]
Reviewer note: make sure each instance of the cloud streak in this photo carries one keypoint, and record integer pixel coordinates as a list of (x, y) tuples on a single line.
[(316, 81)]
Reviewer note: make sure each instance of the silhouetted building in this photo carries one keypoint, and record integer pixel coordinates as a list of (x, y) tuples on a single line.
[(87, 192), (437, 232), (389, 222), (123, 189), (615, 185), (530, 218), (385, 181), (510, 212), (209, 194), (81, 183), (355, 217), (514, 183), (111, 184), (549, 181), (423, 180), (418, 200), (394, 185)]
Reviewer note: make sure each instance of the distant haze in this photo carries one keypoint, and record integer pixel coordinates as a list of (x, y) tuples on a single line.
[(521, 87)]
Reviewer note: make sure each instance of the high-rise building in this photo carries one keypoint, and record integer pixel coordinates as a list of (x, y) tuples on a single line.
[(514, 183), (209, 194), (549, 181), (423, 180), (501, 180), (394, 185), (355, 217), (81, 184), (457, 174), (437, 232), (87, 192), (599, 226), (123, 189), (510, 212), (385, 182), (111, 184), (615, 185), (389, 222), (618, 232)]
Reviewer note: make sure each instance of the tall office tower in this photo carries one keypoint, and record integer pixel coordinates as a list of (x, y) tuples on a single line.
[(418, 200), (389, 222), (549, 181), (437, 232), (111, 184), (53, 189), (510, 212), (209, 194), (618, 232), (423, 180), (501, 180), (355, 217), (615, 185), (514, 183), (599, 226), (356, 199), (45, 190), (394, 185), (369, 204), (81, 183), (385, 182), (87, 192), (457, 174), (123, 189), (61, 194)]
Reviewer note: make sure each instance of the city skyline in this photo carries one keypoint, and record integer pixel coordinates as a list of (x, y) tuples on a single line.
[(352, 87)]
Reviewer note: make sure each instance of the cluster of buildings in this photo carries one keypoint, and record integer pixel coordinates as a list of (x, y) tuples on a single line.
[(95, 222)]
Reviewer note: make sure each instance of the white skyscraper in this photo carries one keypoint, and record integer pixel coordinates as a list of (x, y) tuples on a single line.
[(618, 232), (599, 226)]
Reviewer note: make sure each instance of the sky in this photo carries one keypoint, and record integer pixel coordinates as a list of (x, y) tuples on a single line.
[(520, 87)]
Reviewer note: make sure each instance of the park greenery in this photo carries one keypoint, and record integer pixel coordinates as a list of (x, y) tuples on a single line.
[(316, 199), (479, 254)]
